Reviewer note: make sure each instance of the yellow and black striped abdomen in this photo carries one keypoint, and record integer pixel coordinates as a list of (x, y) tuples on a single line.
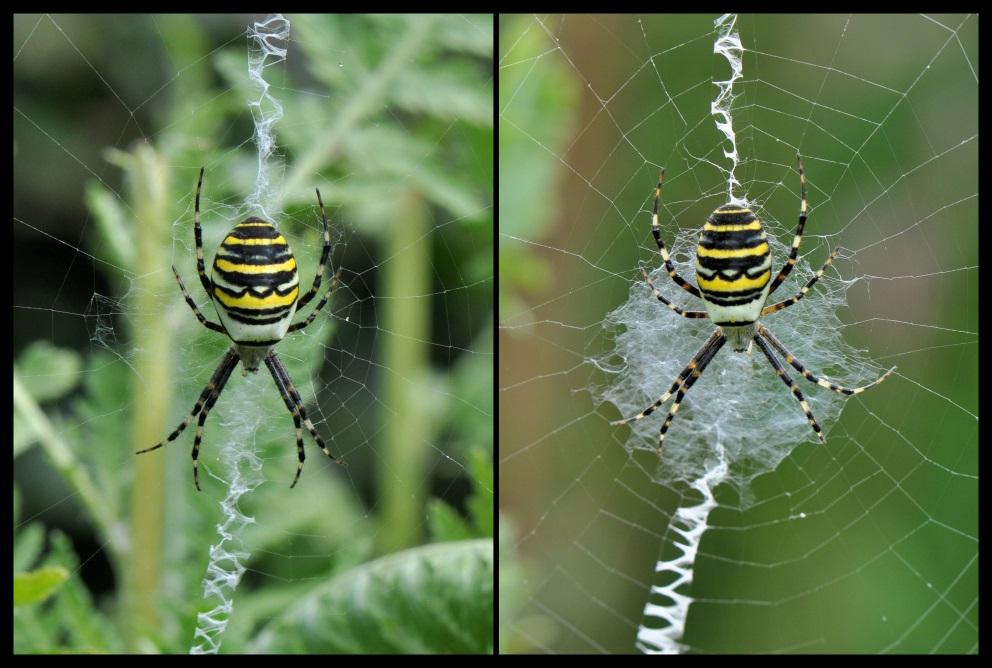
[(255, 283), (733, 265)]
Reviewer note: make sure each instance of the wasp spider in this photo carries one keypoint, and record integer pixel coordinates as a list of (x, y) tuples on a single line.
[(254, 287), (733, 272)]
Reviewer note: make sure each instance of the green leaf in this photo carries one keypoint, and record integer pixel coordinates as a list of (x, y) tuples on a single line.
[(30, 634), (28, 543), (452, 91), (37, 585), (471, 33), (432, 599), (25, 435), (445, 523), (330, 45), (470, 419), (480, 504), (106, 380), (113, 225), (48, 372), (391, 152), (88, 629), (535, 123)]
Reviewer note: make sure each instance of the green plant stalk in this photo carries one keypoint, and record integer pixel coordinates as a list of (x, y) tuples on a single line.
[(365, 101), (406, 309), (148, 183), (72, 471)]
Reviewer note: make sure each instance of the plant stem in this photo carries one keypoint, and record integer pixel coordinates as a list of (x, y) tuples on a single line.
[(406, 309), (147, 179)]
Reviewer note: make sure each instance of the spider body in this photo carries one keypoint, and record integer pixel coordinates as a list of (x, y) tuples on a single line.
[(255, 288), (733, 274), (733, 266)]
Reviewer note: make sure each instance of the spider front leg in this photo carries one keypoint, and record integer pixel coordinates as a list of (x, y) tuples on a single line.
[(204, 280), (780, 370), (798, 239), (197, 234), (323, 300), (802, 291), (656, 233), (213, 326), (305, 299), (822, 382)]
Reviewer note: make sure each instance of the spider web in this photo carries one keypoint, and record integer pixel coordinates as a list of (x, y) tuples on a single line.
[(74, 291), (868, 543)]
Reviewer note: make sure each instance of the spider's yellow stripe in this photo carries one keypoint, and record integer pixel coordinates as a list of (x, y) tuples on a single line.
[(719, 284), (760, 249), (710, 227), (278, 241), (225, 265), (253, 224), (250, 301)]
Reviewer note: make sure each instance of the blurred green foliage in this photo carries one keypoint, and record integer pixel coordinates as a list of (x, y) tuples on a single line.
[(529, 173)]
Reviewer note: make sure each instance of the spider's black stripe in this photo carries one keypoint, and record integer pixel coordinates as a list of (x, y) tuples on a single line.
[(241, 254), (269, 280), (727, 265), (258, 344), (254, 258), (722, 298), (731, 240), (257, 312), (236, 294), (746, 293), (257, 230), (255, 321), (732, 215)]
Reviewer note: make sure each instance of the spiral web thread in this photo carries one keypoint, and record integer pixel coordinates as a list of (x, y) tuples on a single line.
[(238, 457)]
